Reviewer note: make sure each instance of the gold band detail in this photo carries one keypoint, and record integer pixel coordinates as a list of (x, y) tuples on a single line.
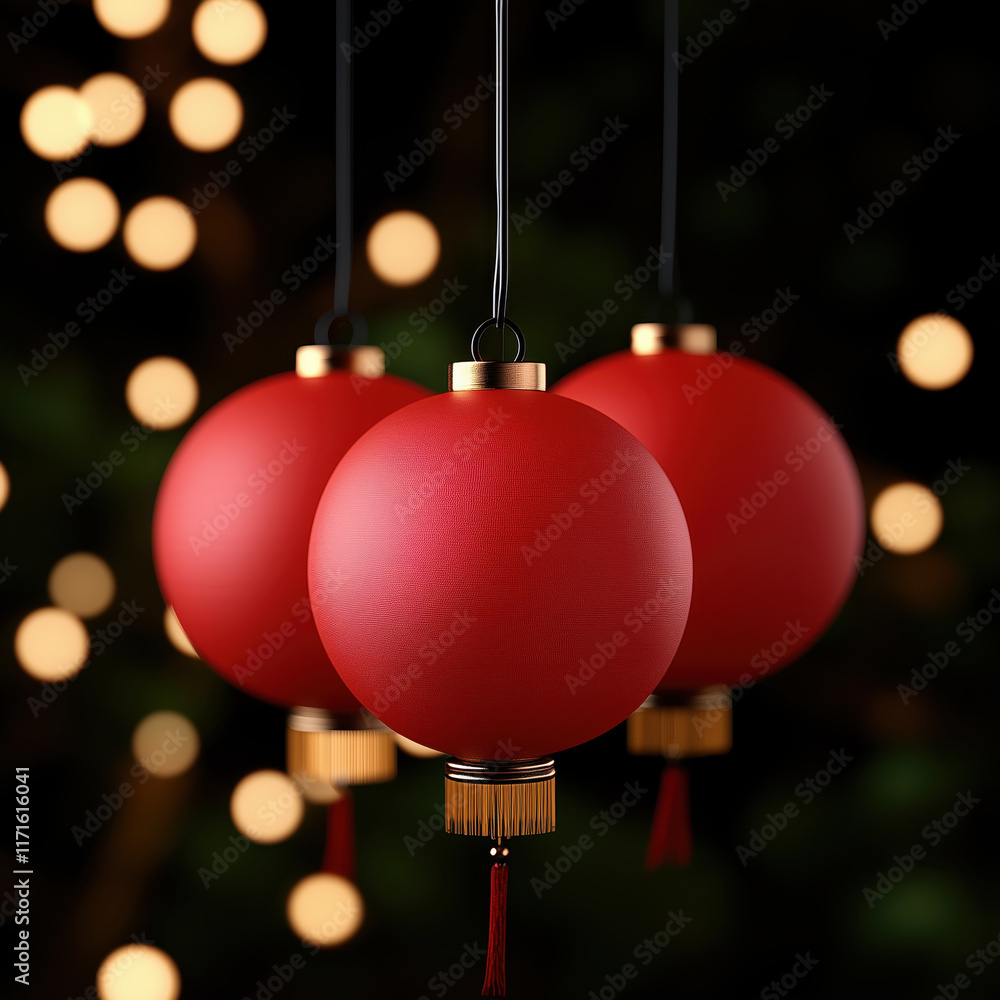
[(315, 360), (342, 756), (496, 375), (497, 810), (692, 338), (698, 725)]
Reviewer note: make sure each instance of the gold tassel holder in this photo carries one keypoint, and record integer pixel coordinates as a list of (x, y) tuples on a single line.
[(339, 750), (688, 724), (500, 799)]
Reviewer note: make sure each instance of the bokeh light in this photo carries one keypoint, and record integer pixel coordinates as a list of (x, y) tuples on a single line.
[(403, 248), (206, 114), (131, 18), (935, 351), (267, 807), (138, 972), (82, 583), (166, 744), (229, 33), (176, 634), (161, 393), (160, 233), (906, 518), (51, 644), (325, 909), (117, 108), (415, 749), (4, 486), (56, 123), (82, 214)]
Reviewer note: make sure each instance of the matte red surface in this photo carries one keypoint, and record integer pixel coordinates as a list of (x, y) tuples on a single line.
[(238, 583), (728, 432), (456, 624)]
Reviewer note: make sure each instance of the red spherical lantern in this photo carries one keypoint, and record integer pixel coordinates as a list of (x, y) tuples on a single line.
[(231, 533), (774, 506), (516, 578)]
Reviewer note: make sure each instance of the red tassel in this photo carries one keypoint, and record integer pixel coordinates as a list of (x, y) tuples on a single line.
[(670, 835), (339, 856), (495, 983)]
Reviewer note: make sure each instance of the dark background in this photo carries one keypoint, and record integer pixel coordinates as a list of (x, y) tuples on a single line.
[(783, 229)]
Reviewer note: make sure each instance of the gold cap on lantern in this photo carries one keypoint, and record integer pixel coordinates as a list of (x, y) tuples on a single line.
[(482, 374), (339, 750), (496, 375), (693, 338), (500, 799), (687, 724), (315, 360)]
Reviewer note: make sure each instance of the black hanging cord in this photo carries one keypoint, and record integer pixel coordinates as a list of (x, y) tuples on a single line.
[(668, 209), (503, 233), (343, 228), (502, 267)]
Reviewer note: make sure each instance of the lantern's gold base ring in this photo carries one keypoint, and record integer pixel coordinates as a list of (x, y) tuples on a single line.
[(683, 724), (339, 750), (500, 799)]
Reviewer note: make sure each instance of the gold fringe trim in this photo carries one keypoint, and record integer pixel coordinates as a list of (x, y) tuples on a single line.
[(701, 728), (494, 809), (343, 756)]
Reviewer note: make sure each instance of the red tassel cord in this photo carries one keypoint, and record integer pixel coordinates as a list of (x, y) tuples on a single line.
[(495, 983), (339, 856), (670, 835)]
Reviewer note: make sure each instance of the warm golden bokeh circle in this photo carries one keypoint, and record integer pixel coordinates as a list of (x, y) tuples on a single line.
[(206, 114), (906, 518), (160, 233), (56, 123), (267, 807), (82, 214), (166, 744), (131, 18), (935, 351), (231, 32), (161, 393), (51, 644), (138, 972), (117, 106), (83, 584), (325, 910), (403, 248)]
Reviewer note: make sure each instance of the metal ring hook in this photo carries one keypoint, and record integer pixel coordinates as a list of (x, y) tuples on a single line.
[(490, 324), (359, 328)]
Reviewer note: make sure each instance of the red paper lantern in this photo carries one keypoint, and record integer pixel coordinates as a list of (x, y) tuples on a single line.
[(774, 507), (517, 576), (232, 521), (770, 491)]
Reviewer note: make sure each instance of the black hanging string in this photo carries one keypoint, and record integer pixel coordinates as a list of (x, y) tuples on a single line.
[(500, 274), (343, 227), (499, 319), (668, 208)]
